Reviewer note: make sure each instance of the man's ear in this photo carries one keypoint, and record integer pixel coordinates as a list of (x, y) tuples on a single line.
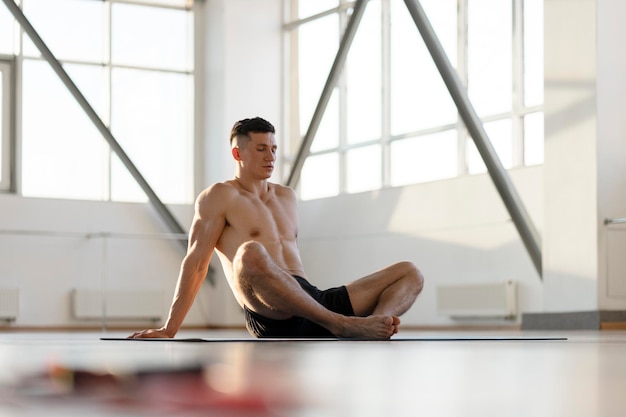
[(236, 154)]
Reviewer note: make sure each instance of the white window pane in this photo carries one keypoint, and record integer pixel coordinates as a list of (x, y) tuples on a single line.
[(327, 136), (151, 120), (533, 139), (63, 155), (72, 29), (318, 43), (320, 177), (312, 7), (6, 31), (364, 78), (424, 158), (151, 37), (533, 52), (500, 135), (363, 167), (490, 56), (419, 97)]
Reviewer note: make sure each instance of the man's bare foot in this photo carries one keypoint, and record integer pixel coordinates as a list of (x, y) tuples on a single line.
[(396, 324), (371, 327)]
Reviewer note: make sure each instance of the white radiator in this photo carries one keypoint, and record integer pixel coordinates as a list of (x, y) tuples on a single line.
[(145, 305), (498, 300), (8, 303)]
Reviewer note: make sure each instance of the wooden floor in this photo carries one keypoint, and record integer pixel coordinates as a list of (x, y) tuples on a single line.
[(77, 374)]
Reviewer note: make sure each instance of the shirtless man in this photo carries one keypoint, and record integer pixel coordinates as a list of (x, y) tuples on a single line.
[(252, 225)]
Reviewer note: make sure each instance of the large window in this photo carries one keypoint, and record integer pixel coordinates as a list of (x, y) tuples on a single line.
[(133, 61), (390, 120)]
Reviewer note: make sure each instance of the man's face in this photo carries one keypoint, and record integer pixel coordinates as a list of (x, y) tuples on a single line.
[(257, 157)]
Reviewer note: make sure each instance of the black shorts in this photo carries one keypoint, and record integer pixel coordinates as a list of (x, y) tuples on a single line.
[(334, 299)]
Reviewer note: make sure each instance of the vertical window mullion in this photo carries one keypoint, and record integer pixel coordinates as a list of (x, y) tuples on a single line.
[(6, 125), (518, 83), (17, 117), (343, 111), (462, 56), (292, 110), (386, 92)]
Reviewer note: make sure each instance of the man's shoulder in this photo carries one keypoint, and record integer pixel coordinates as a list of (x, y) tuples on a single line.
[(283, 190), (216, 188), (220, 191)]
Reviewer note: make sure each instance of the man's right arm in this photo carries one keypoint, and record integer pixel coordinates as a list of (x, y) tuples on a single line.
[(207, 226)]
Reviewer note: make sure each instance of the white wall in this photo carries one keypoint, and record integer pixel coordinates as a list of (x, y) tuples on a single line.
[(570, 168), (241, 71), (585, 144), (611, 154)]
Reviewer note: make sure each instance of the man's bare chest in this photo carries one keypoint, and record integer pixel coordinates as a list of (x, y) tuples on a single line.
[(257, 219)]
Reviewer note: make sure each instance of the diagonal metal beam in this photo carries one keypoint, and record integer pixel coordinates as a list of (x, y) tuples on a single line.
[(161, 209), (499, 176), (331, 81)]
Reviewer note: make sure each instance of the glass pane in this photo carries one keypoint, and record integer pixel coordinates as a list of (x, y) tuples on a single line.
[(424, 158), (327, 136), (533, 139), (490, 56), (72, 29), (318, 44), (151, 120), (139, 38), (533, 52), (419, 98), (320, 176), (308, 8), (63, 155), (363, 167), (6, 31), (363, 69), (501, 135)]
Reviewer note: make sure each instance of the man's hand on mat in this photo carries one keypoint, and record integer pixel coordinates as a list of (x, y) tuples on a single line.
[(151, 334)]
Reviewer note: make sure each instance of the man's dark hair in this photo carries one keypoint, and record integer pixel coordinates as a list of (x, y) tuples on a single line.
[(254, 125)]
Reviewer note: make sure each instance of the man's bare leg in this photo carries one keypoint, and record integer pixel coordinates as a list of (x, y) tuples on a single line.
[(273, 293), (388, 292)]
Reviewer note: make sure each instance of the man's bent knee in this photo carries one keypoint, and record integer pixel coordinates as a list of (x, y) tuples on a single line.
[(419, 280), (250, 256), (414, 275), (250, 248)]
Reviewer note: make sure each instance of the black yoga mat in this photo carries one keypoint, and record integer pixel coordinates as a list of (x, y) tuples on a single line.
[(276, 340)]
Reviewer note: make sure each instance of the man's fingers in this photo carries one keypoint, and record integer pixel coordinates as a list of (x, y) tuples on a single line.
[(142, 334)]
